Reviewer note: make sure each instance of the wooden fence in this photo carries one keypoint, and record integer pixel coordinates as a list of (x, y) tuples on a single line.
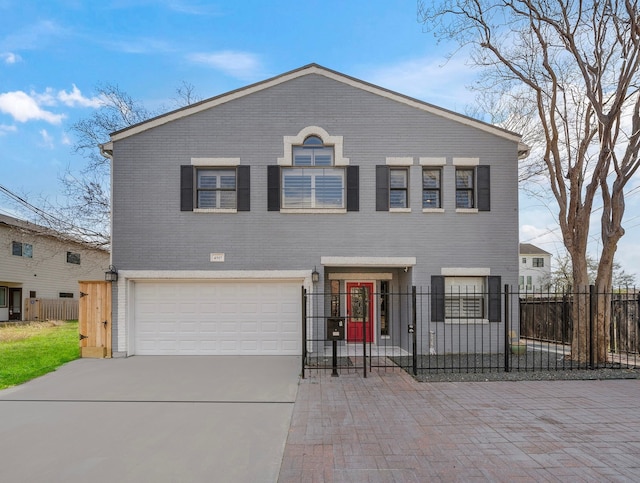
[(549, 318), (50, 309)]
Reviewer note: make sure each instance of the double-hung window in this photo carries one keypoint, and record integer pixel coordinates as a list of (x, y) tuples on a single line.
[(398, 188), (465, 188), (216, 188), (538, 262), (313, 181), (431, 188)]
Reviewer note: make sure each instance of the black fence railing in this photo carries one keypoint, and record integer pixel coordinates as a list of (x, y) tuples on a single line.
[(430, 331)]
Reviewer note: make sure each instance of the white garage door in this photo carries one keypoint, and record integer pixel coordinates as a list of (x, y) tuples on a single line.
[(217, 318)]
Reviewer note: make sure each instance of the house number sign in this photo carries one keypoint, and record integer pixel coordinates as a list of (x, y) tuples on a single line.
[(216, 257)]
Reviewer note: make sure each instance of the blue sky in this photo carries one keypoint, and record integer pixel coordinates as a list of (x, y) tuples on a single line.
[(54, 53)]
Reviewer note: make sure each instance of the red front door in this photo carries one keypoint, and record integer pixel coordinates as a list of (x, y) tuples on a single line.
[(359, 311)]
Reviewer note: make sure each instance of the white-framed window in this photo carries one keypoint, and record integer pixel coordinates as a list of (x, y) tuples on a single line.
[(216, 188), (313, 181), (3, 297), (398, 188), (538, 262), (465, 187), (465, 298), (19, 249), (431, 188)]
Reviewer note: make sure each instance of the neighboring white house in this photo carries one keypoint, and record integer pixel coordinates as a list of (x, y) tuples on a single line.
[(535, 267), (36, 262)]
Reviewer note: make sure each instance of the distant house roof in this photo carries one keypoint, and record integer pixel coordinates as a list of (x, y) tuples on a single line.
[(15, 223), (529, 249), (107, 148)]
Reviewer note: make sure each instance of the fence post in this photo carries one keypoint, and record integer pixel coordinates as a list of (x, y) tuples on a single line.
[(365, 305), (507, 323), (304, 329), (414, 306), (593, 301)]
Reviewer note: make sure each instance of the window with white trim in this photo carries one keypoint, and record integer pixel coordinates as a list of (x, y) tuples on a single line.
[(3, 297), (465, 183), (538, 262), (313, 181), (465, 298), (216, 188), (398, 188), (431, 188)]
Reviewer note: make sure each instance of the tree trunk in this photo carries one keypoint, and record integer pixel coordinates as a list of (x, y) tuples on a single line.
[(580, 309)]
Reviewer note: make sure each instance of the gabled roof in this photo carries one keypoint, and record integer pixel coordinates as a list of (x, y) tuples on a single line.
[(316, 69), (529, 249), (38, 230)]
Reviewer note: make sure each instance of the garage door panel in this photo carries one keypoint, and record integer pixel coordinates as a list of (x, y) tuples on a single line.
[(217, 318)]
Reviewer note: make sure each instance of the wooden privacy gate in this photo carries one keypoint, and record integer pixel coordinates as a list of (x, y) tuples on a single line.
[(94, 319)]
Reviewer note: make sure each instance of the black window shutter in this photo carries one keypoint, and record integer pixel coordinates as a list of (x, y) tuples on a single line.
[(484, 188), (243, 185), (273, 188), (353, 188), (495, 312), (186, 188), (382, 188), (437, 298)]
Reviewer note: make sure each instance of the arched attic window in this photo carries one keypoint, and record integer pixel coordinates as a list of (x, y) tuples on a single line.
[(313, 152)]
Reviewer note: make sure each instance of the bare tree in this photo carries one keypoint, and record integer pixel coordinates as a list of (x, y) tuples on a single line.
[(85, 211), (577, 65)]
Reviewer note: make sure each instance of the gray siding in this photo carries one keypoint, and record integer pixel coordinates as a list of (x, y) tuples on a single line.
[(150, 232)]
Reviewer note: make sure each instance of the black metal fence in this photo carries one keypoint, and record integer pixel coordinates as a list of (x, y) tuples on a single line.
[(425, 331)]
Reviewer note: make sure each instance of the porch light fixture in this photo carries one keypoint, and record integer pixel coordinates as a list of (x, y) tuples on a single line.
[(111, 275), (315, 276)]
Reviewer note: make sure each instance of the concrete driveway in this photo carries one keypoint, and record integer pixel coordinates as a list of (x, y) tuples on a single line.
[(149, 418)]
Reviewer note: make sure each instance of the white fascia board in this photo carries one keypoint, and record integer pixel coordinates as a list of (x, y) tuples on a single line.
[(316, 69), (399, 262)]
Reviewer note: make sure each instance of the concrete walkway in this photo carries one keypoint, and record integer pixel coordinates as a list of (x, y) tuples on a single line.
[(160, 419), (389, 428)]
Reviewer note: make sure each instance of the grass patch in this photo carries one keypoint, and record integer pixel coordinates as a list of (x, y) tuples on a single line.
[(31, 350)]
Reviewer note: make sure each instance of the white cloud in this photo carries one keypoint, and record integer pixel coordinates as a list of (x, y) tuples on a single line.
[(5, 128), (47, 139), (10, 58), (242, 65), (23, 107), (430, 79), (75, 98), (66, 140)]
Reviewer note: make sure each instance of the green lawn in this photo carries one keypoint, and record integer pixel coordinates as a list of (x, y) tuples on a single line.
[(29, 351)]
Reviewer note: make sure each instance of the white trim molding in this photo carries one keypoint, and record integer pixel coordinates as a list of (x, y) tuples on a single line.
[(360, 276), (396, 262), (433, 161), (465, 272), (399, 161), (466, 161), (215, 161), (335, 141)]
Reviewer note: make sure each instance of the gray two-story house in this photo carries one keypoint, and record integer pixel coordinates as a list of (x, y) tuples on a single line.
[(225, 209)]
